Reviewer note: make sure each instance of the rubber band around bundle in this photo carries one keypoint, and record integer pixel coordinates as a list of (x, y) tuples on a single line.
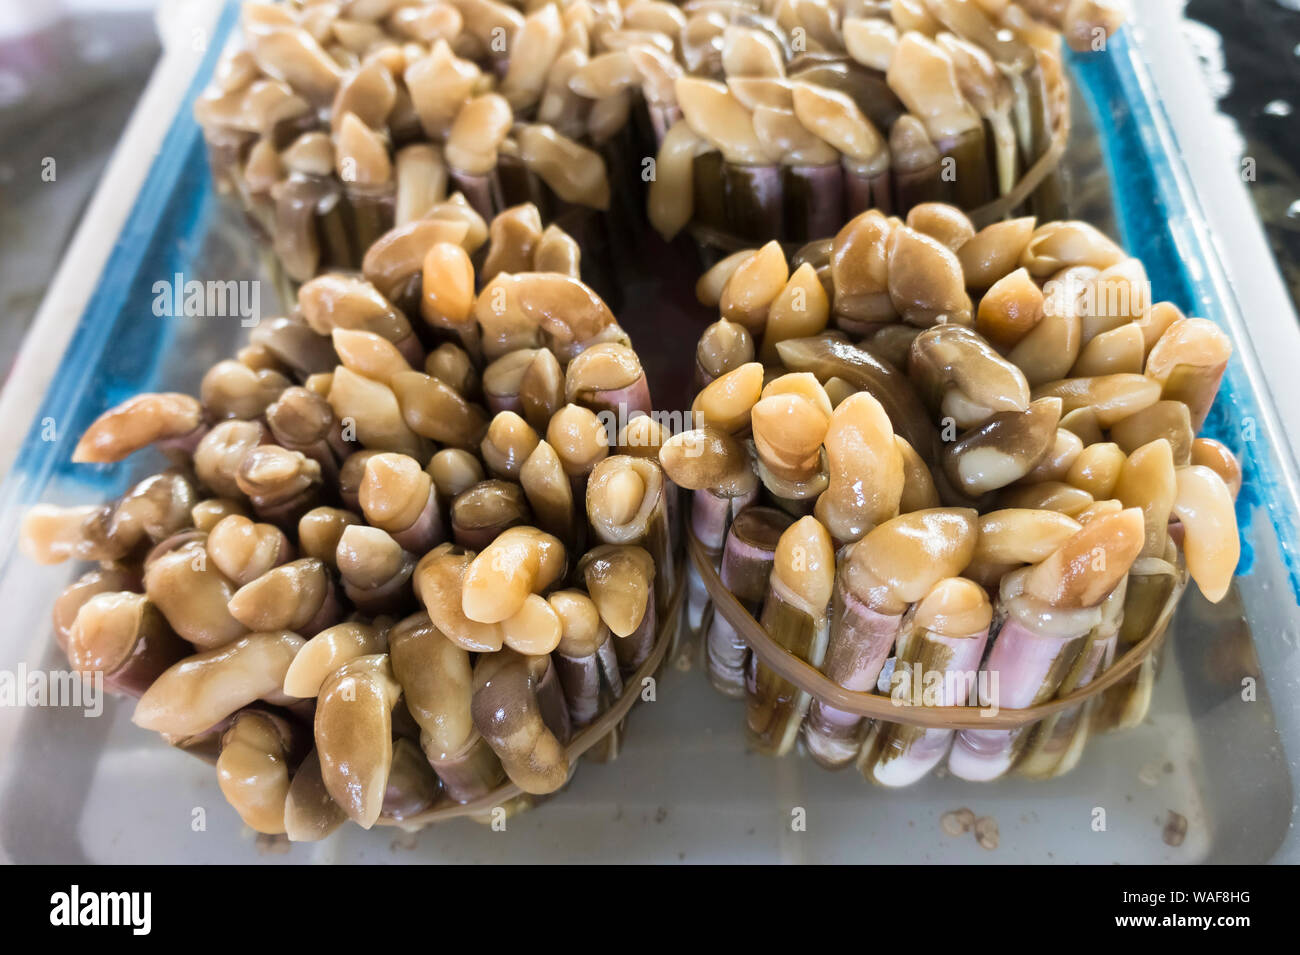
[(586, 738), (876, 706)]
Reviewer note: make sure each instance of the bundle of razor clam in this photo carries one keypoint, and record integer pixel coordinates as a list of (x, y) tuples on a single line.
[(333, 122), (927, 452), (785, 118), (400, 568)]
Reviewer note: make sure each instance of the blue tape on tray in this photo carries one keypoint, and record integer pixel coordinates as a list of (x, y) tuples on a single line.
[(1160, 228), (118, 345)]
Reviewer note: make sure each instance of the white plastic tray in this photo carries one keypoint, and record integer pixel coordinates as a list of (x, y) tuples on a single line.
[(685, 788)]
